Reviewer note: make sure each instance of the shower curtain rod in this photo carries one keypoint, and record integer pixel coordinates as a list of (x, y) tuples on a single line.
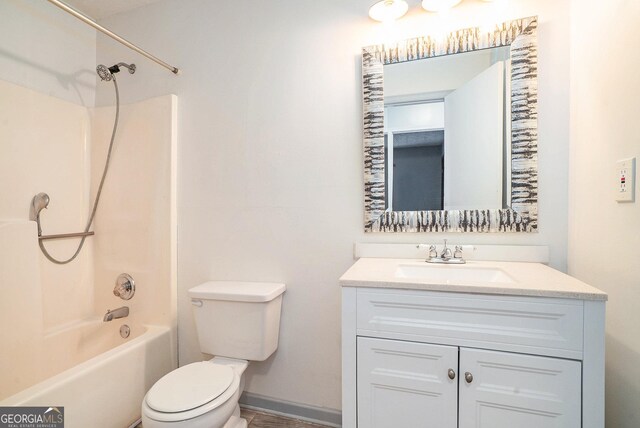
[(111, 34)]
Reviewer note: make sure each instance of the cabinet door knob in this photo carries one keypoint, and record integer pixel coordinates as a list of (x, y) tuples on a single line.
[(452, 374), (468, 377)]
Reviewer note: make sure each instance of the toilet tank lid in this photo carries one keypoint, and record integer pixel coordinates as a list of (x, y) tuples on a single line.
[(237, 291)]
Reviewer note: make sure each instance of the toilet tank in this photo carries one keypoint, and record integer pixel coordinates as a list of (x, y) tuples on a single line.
[(238, 319)]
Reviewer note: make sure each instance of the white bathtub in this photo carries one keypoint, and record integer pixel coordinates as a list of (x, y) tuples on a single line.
[(106, 390)]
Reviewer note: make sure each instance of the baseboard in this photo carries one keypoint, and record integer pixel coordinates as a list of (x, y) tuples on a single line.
[(305, 412), (137, 424)]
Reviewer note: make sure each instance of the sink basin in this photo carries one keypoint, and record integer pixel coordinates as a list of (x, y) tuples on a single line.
[(450, 274)]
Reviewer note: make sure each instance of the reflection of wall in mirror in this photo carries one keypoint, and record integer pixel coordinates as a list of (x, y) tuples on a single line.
[(438, 75)]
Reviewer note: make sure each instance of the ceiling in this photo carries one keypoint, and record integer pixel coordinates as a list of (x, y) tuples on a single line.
[(98, 9)]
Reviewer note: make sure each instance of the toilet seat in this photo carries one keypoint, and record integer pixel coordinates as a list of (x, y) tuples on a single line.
[(189, 387), (174, 397)]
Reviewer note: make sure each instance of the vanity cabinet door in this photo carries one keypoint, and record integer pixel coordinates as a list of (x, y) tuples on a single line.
[(504, 390), (406, 384)]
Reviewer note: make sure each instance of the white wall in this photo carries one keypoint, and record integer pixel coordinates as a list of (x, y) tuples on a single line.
[(418, 117), (270, 154), (604, 236), (439, 74), (44, 48)]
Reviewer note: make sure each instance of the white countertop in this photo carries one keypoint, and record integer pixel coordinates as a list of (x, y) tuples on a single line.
[(529, 279)]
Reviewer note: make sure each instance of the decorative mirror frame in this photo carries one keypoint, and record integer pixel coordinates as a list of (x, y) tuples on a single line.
[(522, 215)]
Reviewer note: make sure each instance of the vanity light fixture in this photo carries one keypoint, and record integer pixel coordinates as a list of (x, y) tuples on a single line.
[(388, 10), (439, 5)]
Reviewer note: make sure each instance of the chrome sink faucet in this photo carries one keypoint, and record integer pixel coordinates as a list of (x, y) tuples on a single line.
[(446, 256), (116, 313)]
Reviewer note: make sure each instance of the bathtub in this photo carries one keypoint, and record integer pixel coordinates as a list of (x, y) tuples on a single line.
[(106, 389)]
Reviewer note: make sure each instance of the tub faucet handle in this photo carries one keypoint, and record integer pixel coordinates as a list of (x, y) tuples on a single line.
[(125, 286)]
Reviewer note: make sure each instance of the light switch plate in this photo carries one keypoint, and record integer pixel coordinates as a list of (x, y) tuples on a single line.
[(625, 180)]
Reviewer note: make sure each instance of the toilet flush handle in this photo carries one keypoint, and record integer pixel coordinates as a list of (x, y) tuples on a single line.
[(197, 303)]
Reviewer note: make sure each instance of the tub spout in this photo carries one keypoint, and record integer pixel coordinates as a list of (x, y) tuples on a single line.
[(116, 313)]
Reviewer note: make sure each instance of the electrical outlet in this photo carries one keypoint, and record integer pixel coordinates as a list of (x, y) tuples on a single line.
[(625, 180)]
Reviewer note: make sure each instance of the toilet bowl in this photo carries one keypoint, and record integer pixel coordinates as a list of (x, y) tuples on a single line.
[(236, 321), (198, 395)]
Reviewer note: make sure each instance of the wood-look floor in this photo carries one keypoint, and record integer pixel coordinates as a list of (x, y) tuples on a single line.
[(268, 420)]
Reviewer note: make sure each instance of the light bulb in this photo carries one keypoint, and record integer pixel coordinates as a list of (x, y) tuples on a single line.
[(439, 5), (388, 10)]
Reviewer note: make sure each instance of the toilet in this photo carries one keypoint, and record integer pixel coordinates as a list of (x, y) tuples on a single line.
[(237, 322)]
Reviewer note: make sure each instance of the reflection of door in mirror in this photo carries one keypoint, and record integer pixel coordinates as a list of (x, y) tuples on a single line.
[(447, 142), (474, 123), (414, 142)]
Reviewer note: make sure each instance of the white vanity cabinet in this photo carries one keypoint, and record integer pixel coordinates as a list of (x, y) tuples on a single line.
[(439, 359), (501, 389), (408, 384)]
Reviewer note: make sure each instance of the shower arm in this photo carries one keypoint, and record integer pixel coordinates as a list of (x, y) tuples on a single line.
[(84, 18)]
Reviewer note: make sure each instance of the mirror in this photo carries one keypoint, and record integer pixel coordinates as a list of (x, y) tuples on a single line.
[(445, 130), (450, 132)]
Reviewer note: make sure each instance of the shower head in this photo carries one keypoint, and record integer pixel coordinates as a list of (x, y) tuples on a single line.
[(38, 203), (107, 73), (104, 73)]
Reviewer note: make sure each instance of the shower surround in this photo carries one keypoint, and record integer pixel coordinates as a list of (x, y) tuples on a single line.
[(57, 341)]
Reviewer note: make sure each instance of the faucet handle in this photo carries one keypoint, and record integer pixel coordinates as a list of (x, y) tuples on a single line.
[(457, 254), (433, 253)]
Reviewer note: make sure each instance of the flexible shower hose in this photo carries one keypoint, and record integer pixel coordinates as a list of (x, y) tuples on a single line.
[(95, 202)]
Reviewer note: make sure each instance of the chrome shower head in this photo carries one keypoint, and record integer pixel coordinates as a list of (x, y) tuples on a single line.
[(38, 203), (107, 73), (104, 73)]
